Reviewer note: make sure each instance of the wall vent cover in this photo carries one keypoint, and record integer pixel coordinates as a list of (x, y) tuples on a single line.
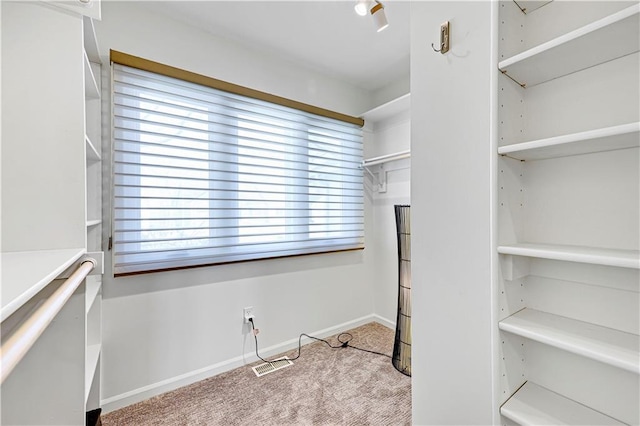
[(270, 367)]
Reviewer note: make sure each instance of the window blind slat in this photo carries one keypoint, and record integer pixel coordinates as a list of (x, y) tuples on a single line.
[(248, 178), (196, 94), (231, 246), (164, 181), (162, 224), (253, 228), (229, 237), (301, 214), (202, 176), (155, 159), (267, 168), (223, 133), (196, 118), (183, 202), (161, 192), (213, 146), (178, 214)]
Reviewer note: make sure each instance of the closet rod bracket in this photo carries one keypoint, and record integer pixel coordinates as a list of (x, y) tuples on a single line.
[(96, 257), (382, 179), (378, 178)]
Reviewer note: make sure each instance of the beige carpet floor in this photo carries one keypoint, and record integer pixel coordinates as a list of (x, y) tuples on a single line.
[(324, 387)]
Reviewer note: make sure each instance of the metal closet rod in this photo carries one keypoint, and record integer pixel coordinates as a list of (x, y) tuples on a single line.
[(386, 158), (16, 347)]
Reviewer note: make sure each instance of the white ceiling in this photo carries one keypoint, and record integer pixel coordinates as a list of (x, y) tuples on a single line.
[(327, 36)]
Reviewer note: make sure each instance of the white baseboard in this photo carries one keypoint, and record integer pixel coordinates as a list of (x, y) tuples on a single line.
[(127, 398), (386, 322)]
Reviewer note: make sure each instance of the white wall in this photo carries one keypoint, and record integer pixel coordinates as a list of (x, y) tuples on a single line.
[(388, 136), (168, 329), (133, 27), (452, 175)]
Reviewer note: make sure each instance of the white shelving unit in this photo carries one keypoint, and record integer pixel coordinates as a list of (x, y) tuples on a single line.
[(93, 357), (92, 153), (535, 405), (592, 255), (528, 6), (376, 167), (603, 344), (93, 131), (598, 140), (89, 39), (90, 85), (91, 223), (389, 109), (48, 218), (568, 212), (606, 39), (26, 273), (93, 289)]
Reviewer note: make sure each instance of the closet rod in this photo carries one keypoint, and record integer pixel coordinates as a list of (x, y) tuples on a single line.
[(16, 347), (385, 158)]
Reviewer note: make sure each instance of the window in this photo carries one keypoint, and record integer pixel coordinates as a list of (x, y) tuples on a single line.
[(203, 176)]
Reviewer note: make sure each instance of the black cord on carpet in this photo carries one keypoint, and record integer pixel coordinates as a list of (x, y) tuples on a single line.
[(343, 344)]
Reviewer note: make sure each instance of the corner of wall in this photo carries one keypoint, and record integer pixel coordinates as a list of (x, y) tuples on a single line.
[(392, 91)]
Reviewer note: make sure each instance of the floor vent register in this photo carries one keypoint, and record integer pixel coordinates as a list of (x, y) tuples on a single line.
[(270, 367)]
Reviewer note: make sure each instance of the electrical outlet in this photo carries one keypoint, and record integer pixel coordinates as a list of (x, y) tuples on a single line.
[(247, 313)]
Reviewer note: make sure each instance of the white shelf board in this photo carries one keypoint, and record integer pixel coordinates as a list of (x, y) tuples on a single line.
[(528, 6), (92, 153), (90, 40), (534, 405), (91, 364), (95, 222), (602, 344), (389, 109), (609, 38), (598, 140), (25, 273), (92, 289), (90, 86), (580, 254)]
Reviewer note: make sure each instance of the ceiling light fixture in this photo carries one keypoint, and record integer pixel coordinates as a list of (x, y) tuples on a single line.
[(377, 12), (362, 7), (379, 17)]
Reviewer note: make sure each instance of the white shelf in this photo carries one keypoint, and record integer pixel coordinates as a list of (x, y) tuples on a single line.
[(90, 40), (602, 344), (92, 289), (25, 273), (90, 86), (93, 300), (389, 109), (592, 255), (598, 140), (609, 38), (91, 364), (528, 6), (92, 153), (535, 405)]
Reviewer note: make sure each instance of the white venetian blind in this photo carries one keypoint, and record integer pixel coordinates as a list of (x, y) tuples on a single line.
[(202, 176)]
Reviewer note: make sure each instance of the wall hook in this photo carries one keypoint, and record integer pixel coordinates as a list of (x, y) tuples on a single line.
[(444, 39)]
